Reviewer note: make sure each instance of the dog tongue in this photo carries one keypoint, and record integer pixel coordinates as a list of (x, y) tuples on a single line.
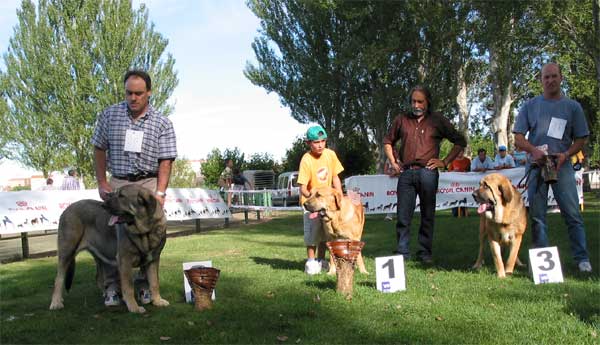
[(482, 208), (313, 215), (113, 220)]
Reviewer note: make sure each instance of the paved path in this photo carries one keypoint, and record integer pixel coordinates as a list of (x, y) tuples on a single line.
[(43, 244)]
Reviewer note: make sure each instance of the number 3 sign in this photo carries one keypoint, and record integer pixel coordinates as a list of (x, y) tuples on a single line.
[(390, 273), (545, 265)]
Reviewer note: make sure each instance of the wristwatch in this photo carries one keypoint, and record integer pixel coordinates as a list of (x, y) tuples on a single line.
[(159, 193)]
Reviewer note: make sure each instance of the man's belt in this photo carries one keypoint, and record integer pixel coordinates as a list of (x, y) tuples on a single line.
[(413, 166), (137, 176)]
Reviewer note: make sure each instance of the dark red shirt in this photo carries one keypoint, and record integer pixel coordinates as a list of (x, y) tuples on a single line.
[(420, 141)]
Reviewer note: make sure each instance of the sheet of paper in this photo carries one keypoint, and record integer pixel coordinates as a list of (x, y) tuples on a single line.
[(557, 128), (133, 141)]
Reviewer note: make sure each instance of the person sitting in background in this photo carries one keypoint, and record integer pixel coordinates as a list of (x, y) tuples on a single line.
[(520, 157), (460, 164), (49, 184), (577, 160), (71, 182), (503, 160), (482, 163)]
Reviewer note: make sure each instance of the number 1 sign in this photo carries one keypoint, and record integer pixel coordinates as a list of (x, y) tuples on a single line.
[(545, 265), (390, 273)]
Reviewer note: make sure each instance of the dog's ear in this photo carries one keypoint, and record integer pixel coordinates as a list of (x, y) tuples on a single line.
[(506, 189)]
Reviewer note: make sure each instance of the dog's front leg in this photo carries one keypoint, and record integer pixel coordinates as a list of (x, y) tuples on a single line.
[(497, 256), (152, 275), (479, 261), (512, 257), (126, 275), (361, 264)]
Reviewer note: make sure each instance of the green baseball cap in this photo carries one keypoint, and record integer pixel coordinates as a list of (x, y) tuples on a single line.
[(316, 133)]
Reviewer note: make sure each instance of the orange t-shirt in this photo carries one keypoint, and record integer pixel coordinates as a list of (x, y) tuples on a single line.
[(463, 164), (318, 171)]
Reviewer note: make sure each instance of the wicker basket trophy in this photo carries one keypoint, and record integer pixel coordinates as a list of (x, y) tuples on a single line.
[(203, 281), (344, 254)]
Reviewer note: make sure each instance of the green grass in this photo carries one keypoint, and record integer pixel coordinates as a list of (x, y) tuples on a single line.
[(263, 294)]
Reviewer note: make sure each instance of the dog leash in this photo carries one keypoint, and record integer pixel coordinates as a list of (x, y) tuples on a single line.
[(526, 178)]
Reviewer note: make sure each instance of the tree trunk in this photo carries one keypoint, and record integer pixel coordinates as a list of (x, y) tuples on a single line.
[(502, 95), (461, 102)]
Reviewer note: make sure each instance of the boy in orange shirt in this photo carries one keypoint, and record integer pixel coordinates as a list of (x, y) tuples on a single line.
[(318, 168)]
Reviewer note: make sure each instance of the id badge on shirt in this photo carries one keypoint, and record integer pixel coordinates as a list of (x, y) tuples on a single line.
[(557, 128), (133, 141)]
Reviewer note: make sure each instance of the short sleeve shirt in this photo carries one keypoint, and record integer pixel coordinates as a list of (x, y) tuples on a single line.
[(506, 160), (476, 163), (555, 123), (317, 172), (158, 140)]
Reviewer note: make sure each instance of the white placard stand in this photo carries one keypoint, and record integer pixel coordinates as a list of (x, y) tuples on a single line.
[(186, 286), (390, 273), (545, 265)]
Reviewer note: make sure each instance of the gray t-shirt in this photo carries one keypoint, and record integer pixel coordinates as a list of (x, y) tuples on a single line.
[(555, 123)]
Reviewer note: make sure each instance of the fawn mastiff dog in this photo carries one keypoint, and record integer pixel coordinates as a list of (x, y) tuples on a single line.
[(87, 225), (340, 217), (503, 220)]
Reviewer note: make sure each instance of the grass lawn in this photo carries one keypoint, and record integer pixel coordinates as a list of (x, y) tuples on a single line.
[(263, 296)]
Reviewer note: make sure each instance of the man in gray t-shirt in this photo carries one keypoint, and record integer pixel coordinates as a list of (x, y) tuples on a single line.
[(556, 126)]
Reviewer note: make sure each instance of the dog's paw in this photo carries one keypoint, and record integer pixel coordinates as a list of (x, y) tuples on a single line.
[(331, 271), (364, 272), (137, 309), (55, 305), (161, 302), (477, 265)]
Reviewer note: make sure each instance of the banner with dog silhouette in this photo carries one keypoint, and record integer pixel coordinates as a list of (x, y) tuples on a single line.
[(378, 192), (25, 211)]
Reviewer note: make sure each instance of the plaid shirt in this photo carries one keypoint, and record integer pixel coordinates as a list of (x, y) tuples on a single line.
[(158, 142)]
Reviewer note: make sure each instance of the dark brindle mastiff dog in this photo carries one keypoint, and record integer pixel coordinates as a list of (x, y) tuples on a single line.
[(84, 225)]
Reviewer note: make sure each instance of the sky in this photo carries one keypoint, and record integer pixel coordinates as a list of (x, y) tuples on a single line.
[(215, 105)]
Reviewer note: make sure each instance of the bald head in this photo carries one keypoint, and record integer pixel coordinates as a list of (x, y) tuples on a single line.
[(551, 79)]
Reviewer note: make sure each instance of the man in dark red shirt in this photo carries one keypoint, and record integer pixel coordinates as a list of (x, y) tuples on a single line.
[(420, 133)]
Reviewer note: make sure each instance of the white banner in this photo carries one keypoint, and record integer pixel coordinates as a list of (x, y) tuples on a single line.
[(40, 210), (378, 192)]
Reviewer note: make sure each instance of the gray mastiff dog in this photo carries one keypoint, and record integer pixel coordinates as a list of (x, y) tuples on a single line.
[(136, 242)]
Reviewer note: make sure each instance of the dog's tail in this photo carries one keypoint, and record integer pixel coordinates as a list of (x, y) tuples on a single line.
[(69, 274)]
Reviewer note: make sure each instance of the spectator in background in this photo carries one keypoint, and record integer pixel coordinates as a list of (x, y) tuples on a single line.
[(239, 183), (49, 184), (520, 157), (460, 164), (482, 163), (71, 182), (503, 160), (226, 180)]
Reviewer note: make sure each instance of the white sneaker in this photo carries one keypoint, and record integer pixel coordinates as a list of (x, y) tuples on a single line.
[(388, 217), (312, 267), (585, 266), (112, 299)]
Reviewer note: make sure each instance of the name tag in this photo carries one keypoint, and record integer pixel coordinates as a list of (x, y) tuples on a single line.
[(557, 128), (133, 141)]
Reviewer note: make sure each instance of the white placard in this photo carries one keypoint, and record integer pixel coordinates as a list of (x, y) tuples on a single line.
[(557, 128), (133, 141), (389, 272), (186, 286), (545, 265)]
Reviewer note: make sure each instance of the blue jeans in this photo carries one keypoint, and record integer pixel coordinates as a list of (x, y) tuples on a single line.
[(422, 182), (565, 193)]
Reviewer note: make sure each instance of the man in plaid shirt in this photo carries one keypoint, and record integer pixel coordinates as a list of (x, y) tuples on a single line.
[(138, 144)]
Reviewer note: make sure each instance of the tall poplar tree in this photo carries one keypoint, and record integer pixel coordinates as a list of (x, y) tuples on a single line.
[(64, 65)]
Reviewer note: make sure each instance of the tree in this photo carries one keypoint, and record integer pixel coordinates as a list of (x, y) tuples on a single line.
[(182, 175), (65, 63), (293, 156)]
